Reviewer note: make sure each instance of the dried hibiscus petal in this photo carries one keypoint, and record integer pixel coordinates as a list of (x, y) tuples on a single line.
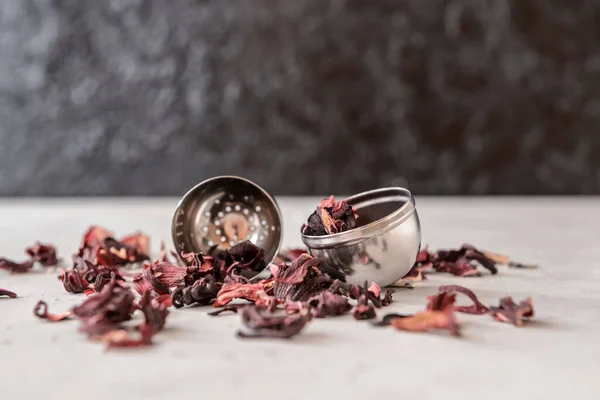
[(364, 311), (112, 252), (476, 308), (74, 282), (106, 277), (252, 292), (327, 304), (330, 217), (163, 277), (140, 242), (155, 312), (426, 320), (262, 324), (228, 308), (461, 268), (289, 255), (95, 235), (203, 291), (248, 256), (121, 338), (41, 311), (140, 284), (15, 267), (45, 254), (509, 311), (5, 292), (114, 304), (301, 280)]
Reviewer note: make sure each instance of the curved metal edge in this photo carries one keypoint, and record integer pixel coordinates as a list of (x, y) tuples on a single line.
[(374, 228), (204, 182)]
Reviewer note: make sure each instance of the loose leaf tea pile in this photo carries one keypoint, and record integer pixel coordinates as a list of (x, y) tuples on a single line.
[(125, 309)]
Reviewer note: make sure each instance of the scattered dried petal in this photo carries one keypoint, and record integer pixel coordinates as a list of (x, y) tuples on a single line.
[(509, 311), (155, 312), (5, 292), (251, 292), (364, 311), (388, 318), (114, 304), (203, 291), (327, 304), (45, 254), (248, 256), (140, 242), (266, 325), (426, 320), (476, 308), (41, 311), (95, 235), (120, 337), (15, 267), (301, 280), (73, 282)]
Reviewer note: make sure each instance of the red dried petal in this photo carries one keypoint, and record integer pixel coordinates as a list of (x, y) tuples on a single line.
[(426, 320), (163, 277), (364, 311), (441, 301), (138, 241), (45, 254), (375, 289), (476, 308), (326, 304), (251, 292), (114, 304), (15, 267), (509, 311), (120, 338), (262, 324), (41, 311), (95, 235), (5, 292), (141, 285), (73, 282)]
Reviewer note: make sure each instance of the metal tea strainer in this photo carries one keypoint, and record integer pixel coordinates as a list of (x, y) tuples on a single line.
[(224, 211)]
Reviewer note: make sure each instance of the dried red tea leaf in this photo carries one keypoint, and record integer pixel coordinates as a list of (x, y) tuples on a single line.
[(461, 268), (441, 301), (163, 277), (265, 325), (364, 311), (327, 304), (301, 280), (388, 318), (248, 256), (73, 282), (426, 320), (45, 254), (509, 311), (155, 311), (251, 292), (203, 291), (121, 338), (374, 289), (112, 252), (388, 298), (41, 311), (106, 277), (476, 308), (5, 292), (330, 217), (141, 285), (95, 235), (15, 267), (114, 304), (138, 241), (455, 260), (228, 308)]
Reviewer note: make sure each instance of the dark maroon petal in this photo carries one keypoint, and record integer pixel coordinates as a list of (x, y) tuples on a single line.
[(45, 254), (203, 292), (155, 312), (41, 311), (248, 256), (140, 284), (330, 217), (364, 311), (15, 267), (120, 337), (476, 308), (95, 235), (458, 268), (327, 304), (163, 277), (114, 303), (5, 292), (73, 282), (388, 298), (509, 311), (264, 325), (301, 280), (139, 241)]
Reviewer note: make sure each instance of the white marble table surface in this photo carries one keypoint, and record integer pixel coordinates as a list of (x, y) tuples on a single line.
[(199, 357)]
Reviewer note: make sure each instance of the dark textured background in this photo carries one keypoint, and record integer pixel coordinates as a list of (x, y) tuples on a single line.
[(151, 96)]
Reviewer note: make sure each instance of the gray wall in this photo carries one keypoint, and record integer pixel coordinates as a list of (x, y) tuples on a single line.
[(151, 96)]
